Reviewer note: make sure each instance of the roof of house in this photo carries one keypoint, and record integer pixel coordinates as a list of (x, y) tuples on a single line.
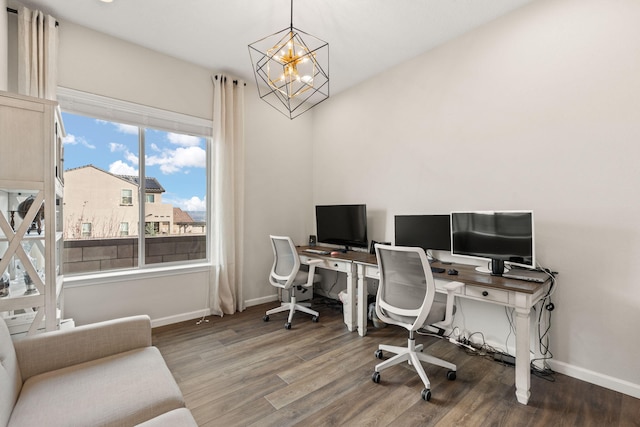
[(151, 184), (181, 217)]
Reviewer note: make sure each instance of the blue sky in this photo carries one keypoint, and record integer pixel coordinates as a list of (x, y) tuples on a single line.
[(177, 161)]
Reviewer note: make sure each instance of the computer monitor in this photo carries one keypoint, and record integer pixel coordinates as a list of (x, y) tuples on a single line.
[(499, 236), (344, 225), (424, 231)]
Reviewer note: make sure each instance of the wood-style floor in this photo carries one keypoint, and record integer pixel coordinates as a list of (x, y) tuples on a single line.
[(240, 371)]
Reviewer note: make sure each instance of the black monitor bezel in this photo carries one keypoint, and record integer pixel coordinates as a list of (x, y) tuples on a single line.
[(356, 211), (425, 232), (458, 252)]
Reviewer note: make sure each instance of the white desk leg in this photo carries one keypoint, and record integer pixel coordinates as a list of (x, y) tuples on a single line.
[(350, 308), (362, 302), (523, 370)]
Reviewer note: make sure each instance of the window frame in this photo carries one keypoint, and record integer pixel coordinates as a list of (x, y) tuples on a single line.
[(124, 229), (89, 227), (144, 117), (123, 197)]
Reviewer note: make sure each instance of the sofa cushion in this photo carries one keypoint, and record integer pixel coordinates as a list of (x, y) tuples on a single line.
[(10, 378), (177, 418), (124, 389)]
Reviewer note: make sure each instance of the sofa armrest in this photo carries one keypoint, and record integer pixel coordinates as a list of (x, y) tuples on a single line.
[(58, 349)]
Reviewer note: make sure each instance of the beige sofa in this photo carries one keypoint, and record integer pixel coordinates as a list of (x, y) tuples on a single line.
[(104, 374)]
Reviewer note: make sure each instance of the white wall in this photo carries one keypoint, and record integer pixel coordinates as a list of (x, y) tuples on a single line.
[(537, 110), (278, 182)]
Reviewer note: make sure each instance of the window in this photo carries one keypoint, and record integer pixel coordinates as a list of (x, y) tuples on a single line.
[(127, 198), (108, 163)]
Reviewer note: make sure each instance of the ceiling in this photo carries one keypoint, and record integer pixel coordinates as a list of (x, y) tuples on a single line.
[(365, 37)]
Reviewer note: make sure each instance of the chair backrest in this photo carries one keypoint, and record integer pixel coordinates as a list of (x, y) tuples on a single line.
[(10, 377), (286, 262), (406, 289)]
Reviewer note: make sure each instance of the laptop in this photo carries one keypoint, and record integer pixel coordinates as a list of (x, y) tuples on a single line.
[(528, 275)]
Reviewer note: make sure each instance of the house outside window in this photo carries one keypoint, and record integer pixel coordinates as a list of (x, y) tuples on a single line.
[(103, 159)]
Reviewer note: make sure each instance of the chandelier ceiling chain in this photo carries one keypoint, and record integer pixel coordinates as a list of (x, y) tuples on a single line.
[(291, 69)]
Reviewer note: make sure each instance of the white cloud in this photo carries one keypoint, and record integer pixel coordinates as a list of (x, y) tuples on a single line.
[(131, 158), (172, 161), (183, 140), (120, 168), (71, 139), (115, 146), (193, 204), (128, 129)]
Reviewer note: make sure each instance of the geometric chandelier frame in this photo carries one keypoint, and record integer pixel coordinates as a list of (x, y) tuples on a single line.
[(291, 68)]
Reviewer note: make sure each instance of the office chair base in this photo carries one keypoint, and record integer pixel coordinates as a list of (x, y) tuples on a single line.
[(413, 355), (292, 307)]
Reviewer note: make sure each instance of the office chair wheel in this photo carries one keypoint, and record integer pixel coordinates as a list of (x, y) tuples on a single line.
[(426, 394), (378, 354), (314, 319), (287, 325), (451, 375), (376, 377), (266, 318)]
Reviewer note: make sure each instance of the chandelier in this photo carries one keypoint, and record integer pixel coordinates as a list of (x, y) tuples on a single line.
[(291, 68)]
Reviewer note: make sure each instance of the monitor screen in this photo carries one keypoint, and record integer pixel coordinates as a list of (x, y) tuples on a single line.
[(506, 236), (424, 231), (344, 225)]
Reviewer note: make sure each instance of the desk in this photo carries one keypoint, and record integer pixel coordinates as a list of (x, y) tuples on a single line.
[(517, 294), (344, 262)]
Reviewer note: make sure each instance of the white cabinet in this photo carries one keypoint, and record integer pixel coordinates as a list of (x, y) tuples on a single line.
[(31, 202)]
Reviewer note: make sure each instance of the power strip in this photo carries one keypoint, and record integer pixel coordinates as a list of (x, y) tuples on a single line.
[(504, 358)]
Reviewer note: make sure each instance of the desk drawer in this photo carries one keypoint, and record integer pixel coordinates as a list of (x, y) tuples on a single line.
[(371, 271), (329, 264), (489, 294)]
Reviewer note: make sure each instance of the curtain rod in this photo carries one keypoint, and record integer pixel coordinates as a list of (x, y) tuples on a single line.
[(235, 82), (16, 12)]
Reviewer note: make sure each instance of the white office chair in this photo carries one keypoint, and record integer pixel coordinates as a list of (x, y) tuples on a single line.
[(405, 298), (286, 274)]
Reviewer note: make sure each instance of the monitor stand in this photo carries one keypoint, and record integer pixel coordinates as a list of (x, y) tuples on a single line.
[(497, 268)]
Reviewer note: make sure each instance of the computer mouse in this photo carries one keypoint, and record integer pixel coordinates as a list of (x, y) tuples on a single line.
[(335, 253), (452, 272)]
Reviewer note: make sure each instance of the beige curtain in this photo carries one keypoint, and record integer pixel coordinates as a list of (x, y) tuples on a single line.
[(37, 54), (227, 195)]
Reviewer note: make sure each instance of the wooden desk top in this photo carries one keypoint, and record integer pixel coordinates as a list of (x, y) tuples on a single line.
[(466, 273)]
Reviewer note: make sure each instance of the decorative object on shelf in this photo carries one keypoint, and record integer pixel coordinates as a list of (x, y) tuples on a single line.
[(23, 208), (292, 72), (28, 283), (5, 281)]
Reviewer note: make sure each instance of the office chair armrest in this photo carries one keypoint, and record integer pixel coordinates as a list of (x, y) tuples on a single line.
[(312, 271), (451, 288)]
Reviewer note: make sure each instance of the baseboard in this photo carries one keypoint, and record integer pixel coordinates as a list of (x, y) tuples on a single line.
[(261, 300), (615, 384), (163, 321)]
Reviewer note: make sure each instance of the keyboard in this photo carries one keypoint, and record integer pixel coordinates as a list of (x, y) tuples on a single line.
[(316, 251)]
